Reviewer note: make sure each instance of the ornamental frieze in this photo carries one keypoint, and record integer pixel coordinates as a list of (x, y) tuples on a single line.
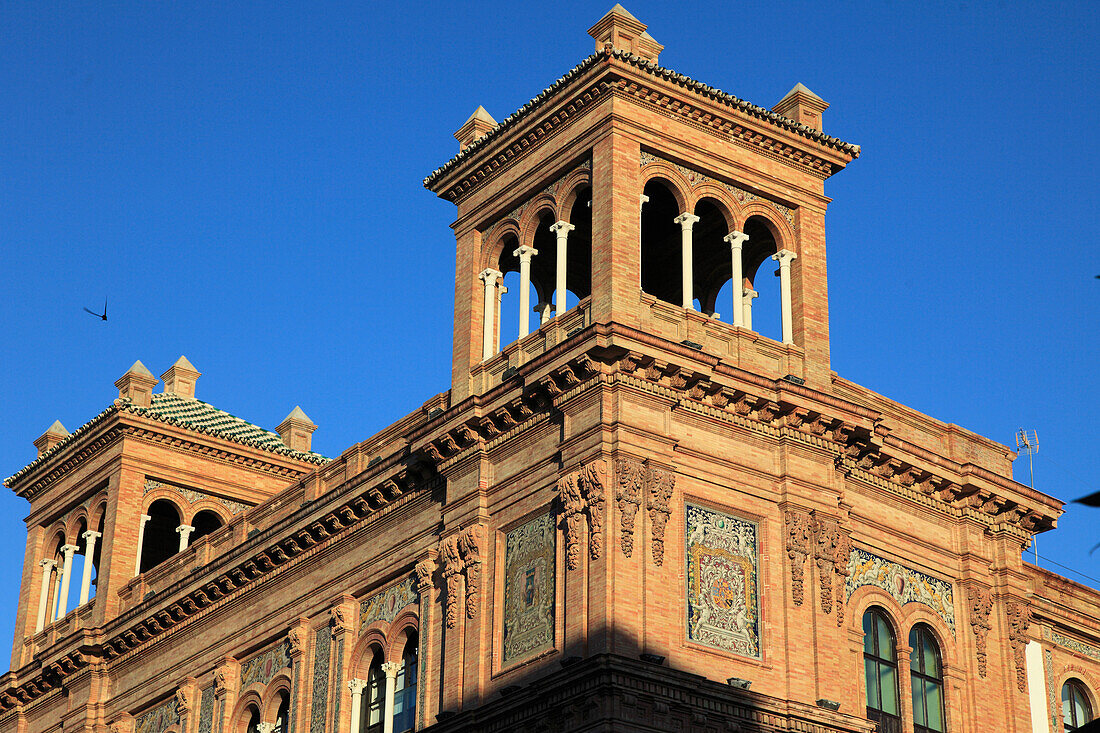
[(263, 667), (903, 584), (193, 496), (1066, 642), (159, 719), (384, 605)]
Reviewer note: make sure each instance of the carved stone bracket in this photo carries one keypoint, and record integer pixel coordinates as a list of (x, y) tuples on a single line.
[(425, 570), (461, 555), (452, 577), (660, 484), (628, 497), (590, 480), (981, 605), (797, 522), (1019, 619), (469, 545), (826, 531), (582, 498), (840, 566)]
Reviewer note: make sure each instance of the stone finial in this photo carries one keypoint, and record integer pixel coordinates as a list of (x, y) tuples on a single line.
[(53, 435), (626, 33), (296, 430), (137, 385), (478, 124), (180, 378), (802, 105)]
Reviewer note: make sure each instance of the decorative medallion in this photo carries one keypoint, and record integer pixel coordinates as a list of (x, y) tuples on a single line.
[(386, 604), (904, 585), (262, 667), (722, 602), (159, 719), (529, 588)]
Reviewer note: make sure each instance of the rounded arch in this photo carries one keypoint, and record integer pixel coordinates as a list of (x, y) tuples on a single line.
[(672, 179), (405, 623), (77, 525), (247, 713), (882, 687), (540, 207), (56, 537), (160, 540), (661, 240), (774, 222), (276, 691), (207, 520), (508, 229), (711, 262), (918, 613), (723, 201), (573, 185), (98, 514), (371, 639), (1077, 680)]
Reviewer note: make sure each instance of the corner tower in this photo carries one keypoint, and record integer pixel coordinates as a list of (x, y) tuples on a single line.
[(627, 193)]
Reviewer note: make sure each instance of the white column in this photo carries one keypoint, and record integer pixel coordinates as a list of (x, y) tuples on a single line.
[(141, 540), (784, 258), (184, 531), (747, 294), (489, 276), (525, 254), (736, 240), (1036, 688), (44, 596), (501, 292), (66, 576), (356, 686), (562, 229), (686, 221), (89, 553), (390, 668), (544, 310)]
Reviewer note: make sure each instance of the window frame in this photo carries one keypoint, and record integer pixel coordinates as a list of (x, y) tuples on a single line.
[(923, 633), (1075, 685), (888, 722)]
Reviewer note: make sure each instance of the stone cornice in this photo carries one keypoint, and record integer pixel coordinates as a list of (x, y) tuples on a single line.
[(112, 424), (618, 73)]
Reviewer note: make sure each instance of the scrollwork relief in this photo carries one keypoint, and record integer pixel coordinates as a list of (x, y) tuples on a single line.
[(981, 605), (1019, 620), (660, 484), (628, 497), (797, 522)]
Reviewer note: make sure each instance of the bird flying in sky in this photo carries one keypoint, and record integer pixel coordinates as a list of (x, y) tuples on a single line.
[(102, 315)]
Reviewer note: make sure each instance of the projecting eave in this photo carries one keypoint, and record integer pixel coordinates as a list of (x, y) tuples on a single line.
[(617, 72)]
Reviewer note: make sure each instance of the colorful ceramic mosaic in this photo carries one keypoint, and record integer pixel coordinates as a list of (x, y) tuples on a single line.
[(386, 604), (529, 585), (723, 608), (1086, 650), (206, 710), (904, 585), (262, 667), (322, 644), (159, 718), (192, 496)]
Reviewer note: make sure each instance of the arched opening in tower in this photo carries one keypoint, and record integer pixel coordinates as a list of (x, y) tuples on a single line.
[(710, 259), (764, 311), (661, 243), (160, 540)]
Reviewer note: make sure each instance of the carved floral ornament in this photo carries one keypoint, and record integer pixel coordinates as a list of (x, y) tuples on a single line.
[(461, 554), (981, 605), (582, 497), (639, 481), (1019, 621)]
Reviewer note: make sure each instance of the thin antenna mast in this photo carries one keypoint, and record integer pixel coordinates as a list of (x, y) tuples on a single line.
[(1030, 442)]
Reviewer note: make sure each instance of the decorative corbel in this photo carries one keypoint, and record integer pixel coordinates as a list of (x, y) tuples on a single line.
[(827, 535), (628, 497), (469, 546), (840, 565), (797, 522), (452, 575), (1019, 620), (981, 605), (590, 480), (660, 484), (573, 516)]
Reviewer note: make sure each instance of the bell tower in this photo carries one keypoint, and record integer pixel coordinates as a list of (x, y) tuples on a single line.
[(627, 193)]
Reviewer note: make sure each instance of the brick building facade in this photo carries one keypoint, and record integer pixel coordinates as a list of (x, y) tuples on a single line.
[(639, 514)]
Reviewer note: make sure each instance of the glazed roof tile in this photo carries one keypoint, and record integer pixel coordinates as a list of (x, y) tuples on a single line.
[(190, 414), (650, 67)]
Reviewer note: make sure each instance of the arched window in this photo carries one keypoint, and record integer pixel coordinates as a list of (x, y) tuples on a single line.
[(205, 522), (404, 698), (763, 312), (1076, 708), (662, 248), (880, 663), (282, 715), (370, 719), (160, 540), (253, 717), (926, 673)]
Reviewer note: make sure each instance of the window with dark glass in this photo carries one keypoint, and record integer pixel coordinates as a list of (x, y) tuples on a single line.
[(880, 664), (282, 715), (926, 674), (253, 720), (404, 698), (1076, 708), (370, 720)]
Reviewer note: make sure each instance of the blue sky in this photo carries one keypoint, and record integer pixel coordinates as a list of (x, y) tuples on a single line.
[(244, 181)]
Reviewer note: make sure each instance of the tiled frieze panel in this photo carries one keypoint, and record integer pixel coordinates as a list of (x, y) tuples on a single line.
[(385, 604), (529, 586), (262, 667), (206, 710), (192, 496), (1087, 650), (723, 608), (322, 644), (904, 585), (159, 719), (1052, 702)]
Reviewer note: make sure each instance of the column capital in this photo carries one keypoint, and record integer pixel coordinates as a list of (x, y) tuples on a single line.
[(90, 535), (489, 275), (48, 563), (525, 252), (185, 528), (562, 227), (391, 669), (749, 293), (736, 239), (784, 257), (642, 199), (265, 727), (68, 550), (145, 518), (686, 220), (357, 686)]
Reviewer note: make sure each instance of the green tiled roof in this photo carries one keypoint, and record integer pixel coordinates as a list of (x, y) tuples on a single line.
[(190, 414)]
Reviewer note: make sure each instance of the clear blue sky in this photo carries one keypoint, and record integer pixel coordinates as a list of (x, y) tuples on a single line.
[(244, 181)]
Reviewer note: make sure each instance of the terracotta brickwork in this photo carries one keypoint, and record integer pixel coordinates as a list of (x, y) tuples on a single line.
[(599, 524)]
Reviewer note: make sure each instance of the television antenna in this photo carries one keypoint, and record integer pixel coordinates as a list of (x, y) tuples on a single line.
[(1029, 443)]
